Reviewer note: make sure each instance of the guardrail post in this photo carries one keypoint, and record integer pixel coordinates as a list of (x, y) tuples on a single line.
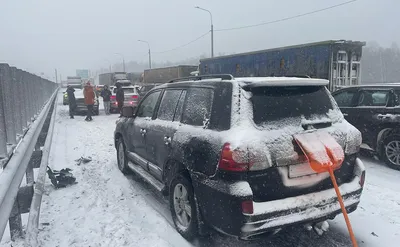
[(11, 136), (15, 222), (21, 99), (31, 106), (16, 102), (3, 142), (25, 97)]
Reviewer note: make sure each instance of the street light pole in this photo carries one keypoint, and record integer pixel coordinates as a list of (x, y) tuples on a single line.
[(148, 45), (212, 29), (123, 60)]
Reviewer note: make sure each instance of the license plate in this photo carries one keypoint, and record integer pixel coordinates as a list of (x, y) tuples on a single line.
[(300, 170)]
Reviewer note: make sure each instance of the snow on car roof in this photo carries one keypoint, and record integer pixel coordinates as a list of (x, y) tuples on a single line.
[(281, 81)]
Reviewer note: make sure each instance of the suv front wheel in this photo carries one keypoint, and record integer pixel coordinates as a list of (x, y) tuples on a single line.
[(121, 157), (183, 207), (391, 151)]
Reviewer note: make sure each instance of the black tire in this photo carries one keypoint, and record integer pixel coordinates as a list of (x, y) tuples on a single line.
[(190, 231), (122, 159), (386, 149)]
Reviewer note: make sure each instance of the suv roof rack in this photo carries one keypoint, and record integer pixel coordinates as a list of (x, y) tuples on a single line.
[(200, 77)]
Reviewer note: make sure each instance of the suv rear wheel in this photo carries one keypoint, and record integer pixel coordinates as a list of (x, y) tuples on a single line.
[(391, 151), (121, 157), (183, 207)]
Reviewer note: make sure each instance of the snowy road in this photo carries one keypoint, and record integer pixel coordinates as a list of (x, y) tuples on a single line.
[(106, 208)]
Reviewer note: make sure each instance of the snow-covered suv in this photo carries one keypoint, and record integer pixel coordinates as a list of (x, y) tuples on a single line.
[(222, 148)]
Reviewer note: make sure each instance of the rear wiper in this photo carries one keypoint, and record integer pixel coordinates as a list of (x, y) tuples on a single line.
[(316, 124)]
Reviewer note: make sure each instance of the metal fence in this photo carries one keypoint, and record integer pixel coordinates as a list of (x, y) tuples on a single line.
[(25, 103), (22, 96)]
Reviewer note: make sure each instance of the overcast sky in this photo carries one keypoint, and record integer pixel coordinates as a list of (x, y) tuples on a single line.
[(40, 35)]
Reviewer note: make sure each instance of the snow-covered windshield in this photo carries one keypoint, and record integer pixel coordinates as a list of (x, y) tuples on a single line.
[(276, 103)]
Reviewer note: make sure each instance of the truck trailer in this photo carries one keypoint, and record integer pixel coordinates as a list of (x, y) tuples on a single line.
[(164, 75), (111, 78), (335, 60)]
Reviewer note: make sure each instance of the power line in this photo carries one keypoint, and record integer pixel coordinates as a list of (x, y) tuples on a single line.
[(181, 46), (285, 19)]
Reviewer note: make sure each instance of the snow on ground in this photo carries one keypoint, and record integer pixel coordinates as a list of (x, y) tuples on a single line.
[(103, 208), (106, 208)]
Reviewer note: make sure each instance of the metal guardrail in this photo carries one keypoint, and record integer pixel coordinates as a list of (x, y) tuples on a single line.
[(33, 220), (25, 101)]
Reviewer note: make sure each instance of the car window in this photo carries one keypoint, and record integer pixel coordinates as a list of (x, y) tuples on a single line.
[(197, 108), (373, 98), (148, 105), (168, 105), (345, 99), (179, 108), (397, 98), (276, 103)]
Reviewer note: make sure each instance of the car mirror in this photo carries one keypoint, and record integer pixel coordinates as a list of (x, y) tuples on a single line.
[(128, 111)]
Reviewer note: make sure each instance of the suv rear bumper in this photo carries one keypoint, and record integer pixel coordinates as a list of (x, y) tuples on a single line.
[(273, 215)]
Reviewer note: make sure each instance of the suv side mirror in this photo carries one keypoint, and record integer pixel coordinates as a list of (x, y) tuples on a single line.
[(128, 111)]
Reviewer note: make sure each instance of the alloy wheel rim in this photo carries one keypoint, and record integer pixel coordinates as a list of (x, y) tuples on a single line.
[(182, 207), (393, 152)]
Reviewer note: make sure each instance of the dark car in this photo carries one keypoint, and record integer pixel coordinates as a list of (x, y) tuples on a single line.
[(147, 87), (223, 149), (375, 111)]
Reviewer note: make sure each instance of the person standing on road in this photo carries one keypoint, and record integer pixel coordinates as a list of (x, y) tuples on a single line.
[(89, 95), (71, 101), (120, 98), (106, 94)]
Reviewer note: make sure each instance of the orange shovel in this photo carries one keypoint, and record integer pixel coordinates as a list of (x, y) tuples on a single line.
[(324, 154)]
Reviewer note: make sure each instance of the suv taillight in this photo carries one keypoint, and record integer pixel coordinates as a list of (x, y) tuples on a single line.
[(233, 160), (247, 207)]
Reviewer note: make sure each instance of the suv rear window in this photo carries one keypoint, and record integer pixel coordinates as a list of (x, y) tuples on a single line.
[(275, 103), (126, 90)]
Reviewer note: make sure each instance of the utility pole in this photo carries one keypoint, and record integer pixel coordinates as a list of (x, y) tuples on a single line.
[(212, 40), (212, 29), (123, 60), (149, 58), (55, 70), (148, 45)]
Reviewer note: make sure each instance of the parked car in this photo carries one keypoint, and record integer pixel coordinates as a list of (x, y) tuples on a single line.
[(223, 150), (81, 107), (375, 111), (131, 94), (77, 87)]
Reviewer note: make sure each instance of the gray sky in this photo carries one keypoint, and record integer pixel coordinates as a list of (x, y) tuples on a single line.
[(41, 35)]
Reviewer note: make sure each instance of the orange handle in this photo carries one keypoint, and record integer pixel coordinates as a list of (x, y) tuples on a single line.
[(346, 217)]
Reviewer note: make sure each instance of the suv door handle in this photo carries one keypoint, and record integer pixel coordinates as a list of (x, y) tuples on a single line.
[(167, 140), (143, 132), (345, 114)]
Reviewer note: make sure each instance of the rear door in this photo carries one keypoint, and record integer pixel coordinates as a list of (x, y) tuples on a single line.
[(347, 100), (374, 108), (139, 129), (162, 130)]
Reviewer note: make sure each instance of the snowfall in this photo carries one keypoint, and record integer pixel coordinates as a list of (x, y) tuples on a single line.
[(106, 208)]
